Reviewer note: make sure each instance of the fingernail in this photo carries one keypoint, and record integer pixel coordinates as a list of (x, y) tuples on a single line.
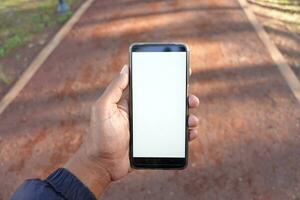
[(124, 70)]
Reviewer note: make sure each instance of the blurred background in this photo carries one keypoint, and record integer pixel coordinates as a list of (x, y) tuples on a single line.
[(249, 141)]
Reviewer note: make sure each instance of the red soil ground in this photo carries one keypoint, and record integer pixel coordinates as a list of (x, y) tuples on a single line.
[(248, 146)]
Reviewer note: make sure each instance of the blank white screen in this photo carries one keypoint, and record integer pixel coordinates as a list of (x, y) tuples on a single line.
[(159, 104)]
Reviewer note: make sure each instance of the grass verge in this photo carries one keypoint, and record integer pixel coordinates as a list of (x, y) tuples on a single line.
[(21, 20)]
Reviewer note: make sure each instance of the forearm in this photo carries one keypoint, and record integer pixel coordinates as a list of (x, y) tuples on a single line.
[(95, 177), (59, 185)]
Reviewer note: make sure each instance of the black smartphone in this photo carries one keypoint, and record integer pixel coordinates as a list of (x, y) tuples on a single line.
[(158, 105)]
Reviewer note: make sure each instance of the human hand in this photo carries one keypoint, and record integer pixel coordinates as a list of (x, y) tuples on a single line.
[(106, 147)]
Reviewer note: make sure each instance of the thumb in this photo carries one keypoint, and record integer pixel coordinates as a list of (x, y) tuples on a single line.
[(114, 90)]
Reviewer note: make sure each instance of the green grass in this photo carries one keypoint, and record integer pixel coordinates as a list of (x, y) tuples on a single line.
[(21, 20), (286, 11), (4, 78)]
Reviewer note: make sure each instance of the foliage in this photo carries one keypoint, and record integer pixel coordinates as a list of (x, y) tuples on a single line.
[(4, 78), (21, 20)]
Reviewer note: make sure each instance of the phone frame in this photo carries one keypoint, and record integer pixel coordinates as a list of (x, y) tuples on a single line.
[(158, 162)]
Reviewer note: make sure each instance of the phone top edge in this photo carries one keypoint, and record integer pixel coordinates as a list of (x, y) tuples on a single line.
[(158, 47)]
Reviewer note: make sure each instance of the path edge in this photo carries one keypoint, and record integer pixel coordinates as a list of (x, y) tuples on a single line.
[(275, 54), (42, 57)]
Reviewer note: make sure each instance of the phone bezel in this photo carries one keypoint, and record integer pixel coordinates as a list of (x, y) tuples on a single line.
[(158, 162)]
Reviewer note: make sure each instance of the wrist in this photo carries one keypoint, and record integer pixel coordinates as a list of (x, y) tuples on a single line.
[(91, 173)]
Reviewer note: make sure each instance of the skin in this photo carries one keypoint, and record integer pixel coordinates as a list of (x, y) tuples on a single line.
[(103, 157)]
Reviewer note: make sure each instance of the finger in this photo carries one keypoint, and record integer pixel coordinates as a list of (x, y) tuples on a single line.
[(190, 71), (123, 103), (114, 90), (193, 101), (130, 170), (125, 94), (193, 134), (193, 121)]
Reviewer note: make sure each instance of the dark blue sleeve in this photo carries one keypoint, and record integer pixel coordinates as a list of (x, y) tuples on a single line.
[(60, 185)]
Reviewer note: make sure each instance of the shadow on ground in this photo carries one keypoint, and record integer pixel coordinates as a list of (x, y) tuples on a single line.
[(249, 120)]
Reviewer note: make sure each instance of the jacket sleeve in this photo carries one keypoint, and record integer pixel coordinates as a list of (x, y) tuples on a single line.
[(60, 185)]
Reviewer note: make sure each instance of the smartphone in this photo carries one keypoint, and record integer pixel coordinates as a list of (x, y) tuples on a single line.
[(158, 105)]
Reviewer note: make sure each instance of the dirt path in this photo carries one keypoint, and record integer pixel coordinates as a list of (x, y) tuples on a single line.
[(250, 122)]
